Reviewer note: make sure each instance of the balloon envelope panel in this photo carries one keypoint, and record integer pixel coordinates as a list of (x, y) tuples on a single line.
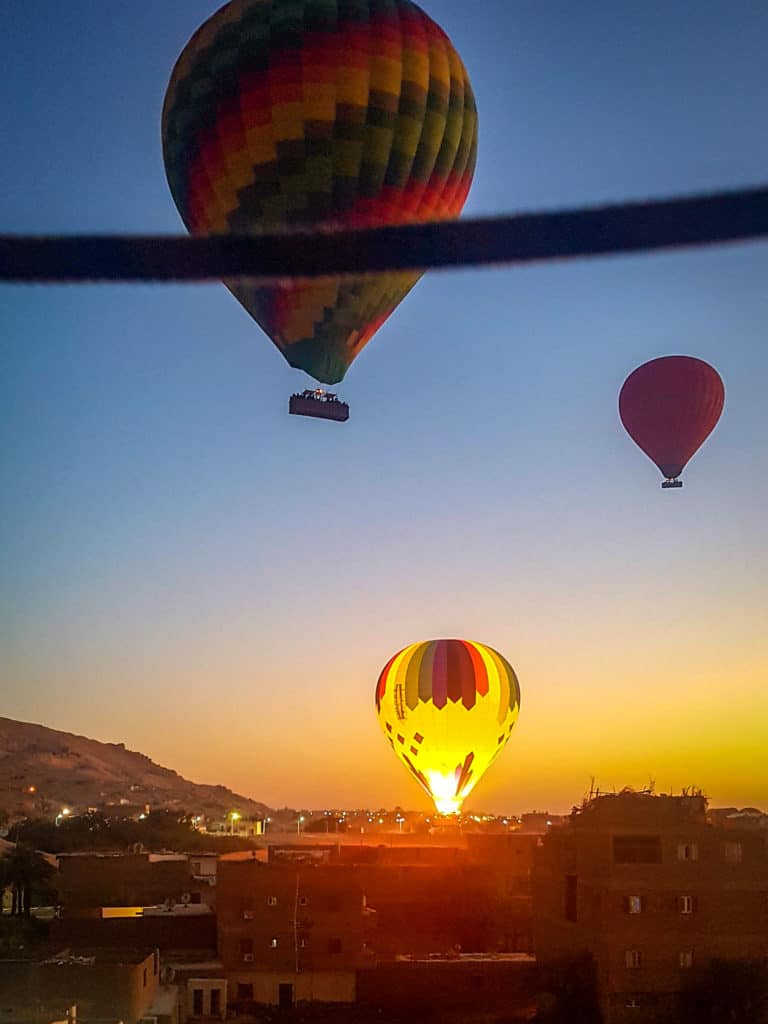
[(669, 407), (319, 113), (448, 707)]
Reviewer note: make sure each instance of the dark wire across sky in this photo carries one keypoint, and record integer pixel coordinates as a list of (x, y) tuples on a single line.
[(738, 215)]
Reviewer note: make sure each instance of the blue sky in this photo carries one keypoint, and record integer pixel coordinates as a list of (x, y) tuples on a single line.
[(187, 569)]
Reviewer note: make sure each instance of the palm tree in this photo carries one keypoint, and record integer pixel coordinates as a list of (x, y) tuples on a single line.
[(24, 870)]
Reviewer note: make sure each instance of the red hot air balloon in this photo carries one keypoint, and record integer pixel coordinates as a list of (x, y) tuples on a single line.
[(669, 407)]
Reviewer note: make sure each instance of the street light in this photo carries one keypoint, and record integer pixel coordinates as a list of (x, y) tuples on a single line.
[(233, 817), (298, 825)]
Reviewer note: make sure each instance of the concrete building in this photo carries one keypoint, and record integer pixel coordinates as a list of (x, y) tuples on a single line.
[(473, 986), (652, 889), (96, 880), (433, 899), (108, 986), (289, 931)]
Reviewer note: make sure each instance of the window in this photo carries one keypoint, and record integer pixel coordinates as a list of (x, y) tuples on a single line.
[(215, 1002), (334, 946), (632, 1003), (246, 946), (571, 897), (195, 897), (633, 959), (686, 958), (196, 867), (271, 901), (303, 901), (633, 904), (145, 977), (273, 943), (733, 853), (687, 851), (637, 849), (248, 915), (686, 904), (197, 1002), (244, 993), (303, 943)]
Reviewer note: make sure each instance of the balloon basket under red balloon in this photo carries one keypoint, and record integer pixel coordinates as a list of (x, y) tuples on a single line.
[(666, 484)]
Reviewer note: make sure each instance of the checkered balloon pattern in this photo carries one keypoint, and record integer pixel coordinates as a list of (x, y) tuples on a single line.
[(310, 114)]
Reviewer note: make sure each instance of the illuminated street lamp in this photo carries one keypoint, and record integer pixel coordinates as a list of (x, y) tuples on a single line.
[(63, 813), (233, 817), (299, 824), (267, 821)]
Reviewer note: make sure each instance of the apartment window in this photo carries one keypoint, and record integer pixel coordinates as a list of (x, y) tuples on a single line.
[(637, 849), (215, 1002), (195, 897), (244, 993), (687, 851), (145, 977), (686, 958), (571, 897), (271, 901), (334, 946), (246, 946), (303, 901), (686, 904), (633, 904), (197, 1002), (248, 915), (196, 867), (303, 943), (733, 853), (632, 1003), (633, 959), (273, 943)]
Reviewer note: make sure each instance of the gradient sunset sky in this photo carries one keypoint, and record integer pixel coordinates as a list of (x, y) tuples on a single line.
[(187, 569)]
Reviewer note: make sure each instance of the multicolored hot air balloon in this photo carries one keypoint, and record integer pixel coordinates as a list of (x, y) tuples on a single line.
[(669, 407), (448, 708), (319, 114)]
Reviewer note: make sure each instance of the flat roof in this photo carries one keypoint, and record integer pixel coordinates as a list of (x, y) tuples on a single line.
[(82, 958), (463, 959)]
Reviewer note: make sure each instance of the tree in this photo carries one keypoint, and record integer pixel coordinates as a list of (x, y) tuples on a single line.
[(568, 991), (24, 871), (726, 992)]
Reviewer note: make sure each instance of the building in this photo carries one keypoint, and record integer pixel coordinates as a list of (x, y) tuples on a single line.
[(432, 899), (477, 987), (181, 930), (95, 880), (108, 986), (652, 889), (290, 930)]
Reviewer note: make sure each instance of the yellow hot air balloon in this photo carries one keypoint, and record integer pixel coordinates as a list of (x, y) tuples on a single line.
[(448, 708)]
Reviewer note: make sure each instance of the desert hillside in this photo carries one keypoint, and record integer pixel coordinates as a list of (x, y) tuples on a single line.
[(43, 770)]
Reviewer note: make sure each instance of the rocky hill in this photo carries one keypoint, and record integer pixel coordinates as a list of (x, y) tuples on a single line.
[(43, 770)]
